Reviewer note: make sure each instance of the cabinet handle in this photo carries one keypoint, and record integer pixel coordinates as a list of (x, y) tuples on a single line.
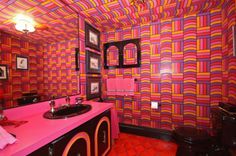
[(104, 137), (50, 151)]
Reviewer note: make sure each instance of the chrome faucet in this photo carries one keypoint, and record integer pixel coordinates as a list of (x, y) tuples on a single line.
[(67, 101), (1, 112), (78, 100), (52, 106)]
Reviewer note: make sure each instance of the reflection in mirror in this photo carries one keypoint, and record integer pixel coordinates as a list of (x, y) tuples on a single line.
[(130, 54), (50, 51), (113, 56)]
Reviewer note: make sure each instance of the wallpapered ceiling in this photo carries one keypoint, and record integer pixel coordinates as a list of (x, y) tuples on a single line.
[(60, 17)]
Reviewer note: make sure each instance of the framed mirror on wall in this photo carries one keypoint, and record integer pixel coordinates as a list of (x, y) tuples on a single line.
[(41, 63), (234, 39), (77, 59), (122, 54)]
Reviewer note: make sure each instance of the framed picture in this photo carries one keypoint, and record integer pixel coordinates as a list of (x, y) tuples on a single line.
[(93, 63), (93, 87), (77, 60), (92, 37), (22, 62), (3, 72)]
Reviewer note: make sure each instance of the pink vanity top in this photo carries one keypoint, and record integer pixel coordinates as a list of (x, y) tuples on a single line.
[(39, 131)]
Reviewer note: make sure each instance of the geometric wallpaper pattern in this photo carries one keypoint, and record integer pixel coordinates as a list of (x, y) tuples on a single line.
[(182, 67), (116, 14), (186, 65), (55, 21), (59, 17), (20, 81), (60, 76), (51, 69)]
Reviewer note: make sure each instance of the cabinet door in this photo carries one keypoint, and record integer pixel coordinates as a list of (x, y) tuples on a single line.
[(102, 137), (46, 150), (79, 145)]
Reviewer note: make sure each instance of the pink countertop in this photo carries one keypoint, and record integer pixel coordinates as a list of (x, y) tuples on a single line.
[(39, 131)]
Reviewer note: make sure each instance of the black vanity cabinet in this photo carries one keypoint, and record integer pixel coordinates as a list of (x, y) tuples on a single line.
[(102, 136), (89, 139)]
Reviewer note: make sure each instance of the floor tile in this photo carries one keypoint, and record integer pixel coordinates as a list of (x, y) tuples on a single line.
[(133, 145)]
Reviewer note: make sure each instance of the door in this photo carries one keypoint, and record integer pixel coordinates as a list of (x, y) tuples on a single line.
[(102, 137), (79, 145)]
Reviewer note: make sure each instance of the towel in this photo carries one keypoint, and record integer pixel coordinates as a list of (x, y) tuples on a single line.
[(111, 86), (5, 138), (120, 86), (128, 86)]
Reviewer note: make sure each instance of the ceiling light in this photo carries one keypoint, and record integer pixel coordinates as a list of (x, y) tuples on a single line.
[(24, 23)]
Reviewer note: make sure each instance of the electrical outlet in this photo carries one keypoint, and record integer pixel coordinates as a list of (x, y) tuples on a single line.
[(154, 105)]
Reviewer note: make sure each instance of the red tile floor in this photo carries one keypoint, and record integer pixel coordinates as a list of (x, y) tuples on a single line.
[(133, 145)]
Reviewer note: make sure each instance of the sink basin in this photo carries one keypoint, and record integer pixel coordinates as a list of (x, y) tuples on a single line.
[(229, 108), (67, 111)]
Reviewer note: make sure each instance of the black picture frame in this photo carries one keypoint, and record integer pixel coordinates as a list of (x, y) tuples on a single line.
[(93, 87), (92, 37), (22, 63), (3, 72), (93, 63), (120, 45), (77, 59)]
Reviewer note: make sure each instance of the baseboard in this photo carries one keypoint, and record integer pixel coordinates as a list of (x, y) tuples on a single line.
[(147, 132)]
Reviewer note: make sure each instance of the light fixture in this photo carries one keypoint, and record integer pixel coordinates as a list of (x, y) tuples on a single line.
[(24, 23)]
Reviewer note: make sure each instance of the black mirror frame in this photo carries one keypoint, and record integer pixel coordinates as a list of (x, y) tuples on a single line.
[(120, 46)]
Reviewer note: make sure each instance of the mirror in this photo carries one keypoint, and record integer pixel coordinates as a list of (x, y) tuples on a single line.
[(130, 54), (49, 51), (113, 56), (122, 54)]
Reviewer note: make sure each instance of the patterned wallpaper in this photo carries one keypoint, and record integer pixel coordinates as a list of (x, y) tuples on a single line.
[(20, 81), (185, 67), (51, 69), (229, 62), (60, 77)]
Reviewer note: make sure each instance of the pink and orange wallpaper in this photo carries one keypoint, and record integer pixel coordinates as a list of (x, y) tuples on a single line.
[(187, 66), (51, 69), (187, 63), (20, 81), (60, 77)]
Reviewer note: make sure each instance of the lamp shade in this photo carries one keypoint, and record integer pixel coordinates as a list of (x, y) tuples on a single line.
[(24, 23)]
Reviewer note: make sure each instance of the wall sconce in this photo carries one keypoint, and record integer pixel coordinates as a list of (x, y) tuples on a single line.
[(24, 23)]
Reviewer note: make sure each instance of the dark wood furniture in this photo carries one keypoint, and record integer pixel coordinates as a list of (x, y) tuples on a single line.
[(28, 98), (93, 138), (191, 141), (224, 129)]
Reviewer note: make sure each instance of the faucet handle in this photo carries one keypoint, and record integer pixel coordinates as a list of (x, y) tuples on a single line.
[(78, 100), (67, 100), (53, 97), (52, 106)]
